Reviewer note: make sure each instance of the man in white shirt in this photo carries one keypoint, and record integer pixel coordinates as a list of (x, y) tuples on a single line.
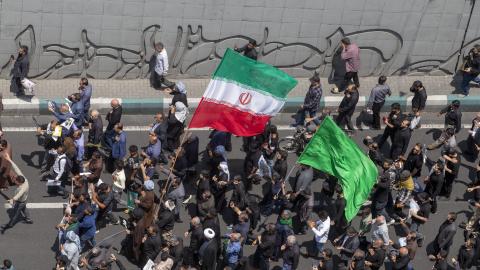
[(320, 229), (60, 171), (159, 68)]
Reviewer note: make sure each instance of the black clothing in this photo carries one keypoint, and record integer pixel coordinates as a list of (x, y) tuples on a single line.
[(401, 263), (209, 256), (453, 117), (394, 119), (151, 248), (281, 167), (376, 108), (419, 99), (376, 259), (166, 220), (174, 131), (414, 164), (400, 142), (444, 238), (114, 117), (96, 130), (291, 256), (346, 109), (248, 52), (19, 72)]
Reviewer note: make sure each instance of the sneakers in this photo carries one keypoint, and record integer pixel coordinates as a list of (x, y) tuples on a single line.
[(28, 221)]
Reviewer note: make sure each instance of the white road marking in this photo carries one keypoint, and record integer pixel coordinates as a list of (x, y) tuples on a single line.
[(58, 205), (279, 127)]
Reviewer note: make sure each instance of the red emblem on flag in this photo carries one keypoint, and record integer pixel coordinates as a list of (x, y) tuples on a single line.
[(245, 98)]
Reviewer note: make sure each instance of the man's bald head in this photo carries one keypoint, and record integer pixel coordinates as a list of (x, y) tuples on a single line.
[(114, 103)]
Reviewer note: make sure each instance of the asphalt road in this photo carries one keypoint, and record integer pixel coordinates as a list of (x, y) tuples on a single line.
[(30, 246)]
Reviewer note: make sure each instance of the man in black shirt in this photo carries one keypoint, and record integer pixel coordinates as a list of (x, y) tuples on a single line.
[(414, 164), (249, 50), (452, 165), (401, 139), (393, 122), (375, 255), (152, 244), (266, 247), (347, 107), (471, 69), (19, 71), (453, 116)]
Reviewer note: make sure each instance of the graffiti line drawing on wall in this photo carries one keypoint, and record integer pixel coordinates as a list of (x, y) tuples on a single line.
[(195, 54)]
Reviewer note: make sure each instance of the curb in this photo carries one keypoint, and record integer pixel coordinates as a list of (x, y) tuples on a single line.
[(143, 106)]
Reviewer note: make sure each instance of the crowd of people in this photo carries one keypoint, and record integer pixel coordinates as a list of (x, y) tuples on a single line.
[(151, 185)]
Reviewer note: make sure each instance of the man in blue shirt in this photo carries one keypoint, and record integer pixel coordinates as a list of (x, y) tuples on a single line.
[(154, 148), (119, 146)]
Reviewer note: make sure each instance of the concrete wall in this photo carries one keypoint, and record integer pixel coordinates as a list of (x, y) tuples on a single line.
[(113, 38)]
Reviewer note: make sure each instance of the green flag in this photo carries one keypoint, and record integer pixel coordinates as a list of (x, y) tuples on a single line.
[(333, 152)]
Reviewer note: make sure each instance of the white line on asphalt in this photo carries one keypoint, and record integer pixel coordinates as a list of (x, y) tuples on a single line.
[(279, 127), (40, 205)]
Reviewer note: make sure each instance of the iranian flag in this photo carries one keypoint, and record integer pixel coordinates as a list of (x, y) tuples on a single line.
[(242, 96)]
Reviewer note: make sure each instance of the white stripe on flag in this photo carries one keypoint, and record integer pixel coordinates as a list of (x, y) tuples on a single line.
[(231, 94)]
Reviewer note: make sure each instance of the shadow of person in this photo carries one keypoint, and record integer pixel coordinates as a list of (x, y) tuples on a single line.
[(29, 159)]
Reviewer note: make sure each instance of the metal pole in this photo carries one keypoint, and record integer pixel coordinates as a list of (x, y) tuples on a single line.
[(465, 35)]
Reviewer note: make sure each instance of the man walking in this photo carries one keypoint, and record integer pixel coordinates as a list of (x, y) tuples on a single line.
[(312, 101), (351, 55), (347, 107), (377, 99), (159, 68), (85, 96), (19, 71), (19, 200), (446, 232)]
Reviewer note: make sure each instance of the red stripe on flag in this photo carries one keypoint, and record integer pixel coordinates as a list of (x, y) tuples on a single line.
[(226, 118)]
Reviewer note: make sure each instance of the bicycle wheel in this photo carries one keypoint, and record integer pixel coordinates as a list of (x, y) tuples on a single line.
[(287, 144)]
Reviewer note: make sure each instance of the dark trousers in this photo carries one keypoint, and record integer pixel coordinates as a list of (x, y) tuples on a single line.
[(376, 108), (16, 86), (157, 81), (261, 262), (343, 119), (448, 184), (19, 209), (347, 79), (388, 133)]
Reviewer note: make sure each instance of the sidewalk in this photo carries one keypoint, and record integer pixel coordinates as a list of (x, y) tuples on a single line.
[(139, 98)]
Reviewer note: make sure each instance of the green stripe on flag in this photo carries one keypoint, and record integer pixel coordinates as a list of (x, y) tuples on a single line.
[(331, 151), (254, 74)]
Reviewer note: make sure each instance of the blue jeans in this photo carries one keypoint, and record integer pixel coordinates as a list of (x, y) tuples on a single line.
[(466, 79), (319, 247), (303, 114)]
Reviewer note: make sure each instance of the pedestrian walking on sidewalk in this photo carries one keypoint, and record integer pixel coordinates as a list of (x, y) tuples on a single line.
[(377, 99), (19, 200), (351, 55), (19, 71), (159, 68)]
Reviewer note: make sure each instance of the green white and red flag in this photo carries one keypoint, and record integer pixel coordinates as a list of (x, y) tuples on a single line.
[(242, 96)]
